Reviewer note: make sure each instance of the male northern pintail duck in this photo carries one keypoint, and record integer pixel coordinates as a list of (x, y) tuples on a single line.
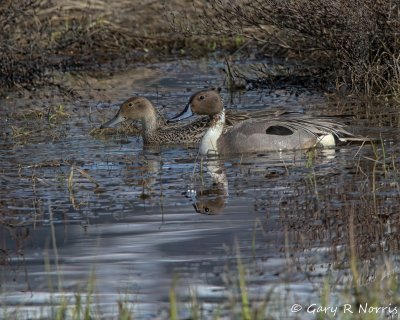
[(155, 129), (284, 131)]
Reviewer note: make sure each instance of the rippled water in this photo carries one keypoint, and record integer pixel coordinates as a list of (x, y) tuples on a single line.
[(128, 223)]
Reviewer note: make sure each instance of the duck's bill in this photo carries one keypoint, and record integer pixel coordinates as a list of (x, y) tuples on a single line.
[(186, 113), (114, 121)]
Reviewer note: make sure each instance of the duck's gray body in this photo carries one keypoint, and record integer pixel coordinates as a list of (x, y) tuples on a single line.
[(259, 136)]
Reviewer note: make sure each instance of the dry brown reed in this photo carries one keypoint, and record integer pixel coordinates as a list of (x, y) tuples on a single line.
[(355, 43), (42, 37)]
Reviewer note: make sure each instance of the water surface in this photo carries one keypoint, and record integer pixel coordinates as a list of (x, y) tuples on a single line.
[(128, 225)]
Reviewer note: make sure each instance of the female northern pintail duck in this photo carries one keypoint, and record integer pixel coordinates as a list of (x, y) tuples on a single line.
[(154, 127), (285, 131)]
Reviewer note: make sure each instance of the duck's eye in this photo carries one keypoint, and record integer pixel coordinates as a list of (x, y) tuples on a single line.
[(130, 104), (201, 98), (206, 210)]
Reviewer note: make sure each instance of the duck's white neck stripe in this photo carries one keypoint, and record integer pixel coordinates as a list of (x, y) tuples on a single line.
[(208, 143)]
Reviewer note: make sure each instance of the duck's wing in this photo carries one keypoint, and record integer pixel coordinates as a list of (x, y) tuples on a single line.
[(234, 117), (316, 125), (325, 125), (281, 119)]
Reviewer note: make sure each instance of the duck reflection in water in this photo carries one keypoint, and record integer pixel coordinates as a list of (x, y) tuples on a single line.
[(212, 200)]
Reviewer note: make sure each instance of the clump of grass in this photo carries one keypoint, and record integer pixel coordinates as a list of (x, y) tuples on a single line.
[(367, 297), (53, 114), (173, 305), (124, 129), (124, 311), (28, 124), (246, 315), (72, 188), (57, 114), (19, 132)]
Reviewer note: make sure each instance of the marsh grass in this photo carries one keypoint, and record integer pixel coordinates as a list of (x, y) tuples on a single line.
[(375, 298), (58, 304), (173, 301), (245, 305), (125, 312), (123, 130), (72, 190), (53, 114), (28, 125), (352, 44), (49, 37), (357, 292), (195, 305)]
